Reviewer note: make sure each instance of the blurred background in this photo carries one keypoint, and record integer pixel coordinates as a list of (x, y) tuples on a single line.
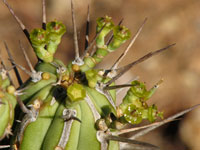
[(176, 21)]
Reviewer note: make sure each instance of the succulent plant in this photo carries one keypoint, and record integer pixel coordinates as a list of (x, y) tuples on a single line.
[(73, 106)]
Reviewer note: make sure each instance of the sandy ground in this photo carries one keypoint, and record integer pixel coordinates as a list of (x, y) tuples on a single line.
[(168, 22)]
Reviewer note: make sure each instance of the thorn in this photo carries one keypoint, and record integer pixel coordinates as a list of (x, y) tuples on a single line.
[(87, 28), (92, 43), (18, 20), (110, 73), (102, 136), (74, 118), (133, 79), (111, 37), (115, 65), (20, 91), (22, 68), (171, 118), (77, 58), (140, 145), (124, 69), (44, 18), (4, 146), (19, 121), (53, 100), (59, 69), (94, 48), (5, 70), (117, 86), (9, 69), (123, 131), (30, 116), (36, 76), (100, 89), (14, 67), (158, 83), (26, 57), (22, 106), (70, 114)]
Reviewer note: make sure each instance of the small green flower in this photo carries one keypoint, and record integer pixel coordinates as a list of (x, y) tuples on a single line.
[(132, 114), (38, 37), (121, 35), (76, 92), (105, 21), (106, 25), (92, 77), (55, 29), (138, 89)]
